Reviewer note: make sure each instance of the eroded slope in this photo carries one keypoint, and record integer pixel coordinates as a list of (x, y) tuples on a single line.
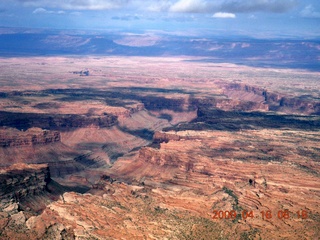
[(158, 145)]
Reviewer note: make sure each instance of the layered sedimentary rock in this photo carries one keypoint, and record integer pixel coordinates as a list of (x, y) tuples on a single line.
[(240, 157), (252, 170), (229, 104), (159, 137), (153, 156), (24, 193), (274, 101), (10, 137), (129, 111), (300, 105), (43, 146), (54, 121), (21, 181)]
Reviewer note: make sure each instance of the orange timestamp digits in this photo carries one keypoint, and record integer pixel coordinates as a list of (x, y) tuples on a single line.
[(284, 214), (302, 214), (231, 214), (266, 215), (224, 214)]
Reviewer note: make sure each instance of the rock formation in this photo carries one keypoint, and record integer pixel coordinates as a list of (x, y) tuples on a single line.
[(274, 101), (54, 121), (21, 181), (230, 172), (10, 137), (154, 148)]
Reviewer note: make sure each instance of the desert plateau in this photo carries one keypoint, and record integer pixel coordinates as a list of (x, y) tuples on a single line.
[(159, 120), (137, 147)]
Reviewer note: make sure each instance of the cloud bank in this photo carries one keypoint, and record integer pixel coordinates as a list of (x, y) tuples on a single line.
[(77, 4), (183, 6), (247, 6)]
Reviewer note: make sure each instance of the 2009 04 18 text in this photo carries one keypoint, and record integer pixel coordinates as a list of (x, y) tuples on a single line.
[(245, 214)]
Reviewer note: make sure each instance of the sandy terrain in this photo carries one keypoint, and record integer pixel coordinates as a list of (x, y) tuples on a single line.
[(157, 148)]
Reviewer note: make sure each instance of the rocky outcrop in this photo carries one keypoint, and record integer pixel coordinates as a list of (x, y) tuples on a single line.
[(21, 181), (154, 103), (10, 137), (169, 159), (55, 121), (273, 101), (246, 92), (300, 105), (151, 155), (160, 137), (24, 194), (129, 111), (229, 104)]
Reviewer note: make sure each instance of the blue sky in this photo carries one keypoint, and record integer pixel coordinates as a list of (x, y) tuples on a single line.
[(257, 18)]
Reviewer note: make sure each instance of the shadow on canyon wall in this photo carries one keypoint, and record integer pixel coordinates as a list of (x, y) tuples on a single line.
[(216, 119), (209, 114)]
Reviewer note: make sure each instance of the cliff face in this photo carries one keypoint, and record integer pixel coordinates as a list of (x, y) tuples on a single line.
[(129, 111), (165, 137), (20, 181), (25, 190), (54, 121), (160, 137), (301, 105), (274, 101), (229, 104), (174, 160), (42, 146), (33, 136), (154, 156)]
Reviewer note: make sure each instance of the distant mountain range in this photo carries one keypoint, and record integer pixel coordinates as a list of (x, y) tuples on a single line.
[(284, 53)]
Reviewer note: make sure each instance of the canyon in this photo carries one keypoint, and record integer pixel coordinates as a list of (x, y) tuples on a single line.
[(153, 148)]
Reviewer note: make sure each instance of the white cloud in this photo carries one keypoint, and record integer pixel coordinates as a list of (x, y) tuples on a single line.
[(158, 6), (43, 10), (40, 10), (224, 15), (310, 12), (193, 6)]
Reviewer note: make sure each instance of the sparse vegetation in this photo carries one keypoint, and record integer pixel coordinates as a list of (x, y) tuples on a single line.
[(235, 205), (249, 235), (107, 117)]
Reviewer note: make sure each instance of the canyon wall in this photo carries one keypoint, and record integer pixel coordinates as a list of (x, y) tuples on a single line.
[(160, 137), (229, 104), (55, 121), (129, 111), (21, 181), (174, 160), (10, 137), (154, 156), (274, 101)]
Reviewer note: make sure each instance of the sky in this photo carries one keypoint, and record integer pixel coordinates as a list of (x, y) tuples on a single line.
[(255, 18)]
